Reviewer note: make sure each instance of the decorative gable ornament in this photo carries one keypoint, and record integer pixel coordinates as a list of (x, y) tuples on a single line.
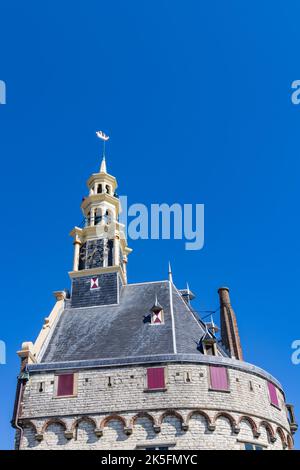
[(94, 283)]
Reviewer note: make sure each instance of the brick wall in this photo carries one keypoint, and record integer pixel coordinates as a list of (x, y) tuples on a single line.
[(186, 415)]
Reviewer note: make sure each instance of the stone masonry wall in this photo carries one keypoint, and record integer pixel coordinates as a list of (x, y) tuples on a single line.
[(188, 415)]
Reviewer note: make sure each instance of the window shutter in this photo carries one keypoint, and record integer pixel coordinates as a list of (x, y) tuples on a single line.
[(156, 378), (65, 384), (218, 378), (273, 394)]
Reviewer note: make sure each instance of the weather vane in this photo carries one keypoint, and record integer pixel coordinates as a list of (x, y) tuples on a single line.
[(104, 138)]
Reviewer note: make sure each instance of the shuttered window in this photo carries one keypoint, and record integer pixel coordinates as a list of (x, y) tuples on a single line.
[(273, 394), (218, 378), (65, 385), (156, 378)]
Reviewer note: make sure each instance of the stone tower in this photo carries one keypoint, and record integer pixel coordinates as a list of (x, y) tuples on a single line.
[(132, 366)]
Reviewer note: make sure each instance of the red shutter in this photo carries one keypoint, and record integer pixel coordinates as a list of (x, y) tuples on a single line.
[(218, 378), (65, 384), (273, 394), (156, 378)]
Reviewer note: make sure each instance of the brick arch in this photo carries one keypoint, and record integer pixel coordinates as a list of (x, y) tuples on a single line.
[(113, 417), (85, 419), (142, 414), (199, 413), (229, 417), (173, 413), (30, 434), (269, 428), (280, 433), (252, 423), (54, 421), (29, 424), (290, 442)]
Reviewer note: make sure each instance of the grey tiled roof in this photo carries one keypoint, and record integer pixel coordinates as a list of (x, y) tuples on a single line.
[(124, 330)]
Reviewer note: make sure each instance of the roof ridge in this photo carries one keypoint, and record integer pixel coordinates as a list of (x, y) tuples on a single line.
[(143, 283)]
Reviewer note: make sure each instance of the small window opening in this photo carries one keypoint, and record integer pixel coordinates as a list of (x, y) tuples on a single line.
[(187, 377), (99, 189), (109, 382), (251, 386), (42, 387), (65, 385), (76, 432), (156, 378), (107, 187)]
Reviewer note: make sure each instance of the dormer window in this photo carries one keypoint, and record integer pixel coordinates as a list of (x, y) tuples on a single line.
[(208, 344), (157, 318), (94, 283), (157, 313), (210, 349)]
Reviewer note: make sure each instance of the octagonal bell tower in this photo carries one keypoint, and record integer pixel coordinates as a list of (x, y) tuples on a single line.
[(100, 245)]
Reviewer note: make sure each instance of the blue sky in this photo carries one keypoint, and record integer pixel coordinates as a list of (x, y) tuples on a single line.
[(196, 98)]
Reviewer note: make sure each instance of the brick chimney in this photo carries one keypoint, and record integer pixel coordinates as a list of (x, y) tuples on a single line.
[(229, 329)]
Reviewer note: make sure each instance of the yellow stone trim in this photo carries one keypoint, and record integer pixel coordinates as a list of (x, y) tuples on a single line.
[(94, 198), (102, 178), (49, 321), (27, 351), (31, 350)]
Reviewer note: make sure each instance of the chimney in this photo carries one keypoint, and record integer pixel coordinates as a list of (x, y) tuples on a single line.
[(229, 329)]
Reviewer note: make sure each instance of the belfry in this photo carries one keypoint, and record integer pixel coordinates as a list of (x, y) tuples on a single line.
[(100, 247), (121, 366)]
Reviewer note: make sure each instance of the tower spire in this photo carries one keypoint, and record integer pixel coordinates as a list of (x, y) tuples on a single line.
[(103, 165)]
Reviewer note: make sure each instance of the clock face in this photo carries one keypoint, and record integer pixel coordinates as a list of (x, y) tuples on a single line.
[(91, 255)]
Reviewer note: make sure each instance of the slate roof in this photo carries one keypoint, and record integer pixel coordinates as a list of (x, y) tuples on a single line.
[(124, 330)]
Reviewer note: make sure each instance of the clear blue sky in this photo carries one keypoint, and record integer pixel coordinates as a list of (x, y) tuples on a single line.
[(196, 98)]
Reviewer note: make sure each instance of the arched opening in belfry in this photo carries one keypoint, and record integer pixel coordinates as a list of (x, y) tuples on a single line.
[(108, 216), (98, 216), (108, 189), (88, 219), (99, 189)]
